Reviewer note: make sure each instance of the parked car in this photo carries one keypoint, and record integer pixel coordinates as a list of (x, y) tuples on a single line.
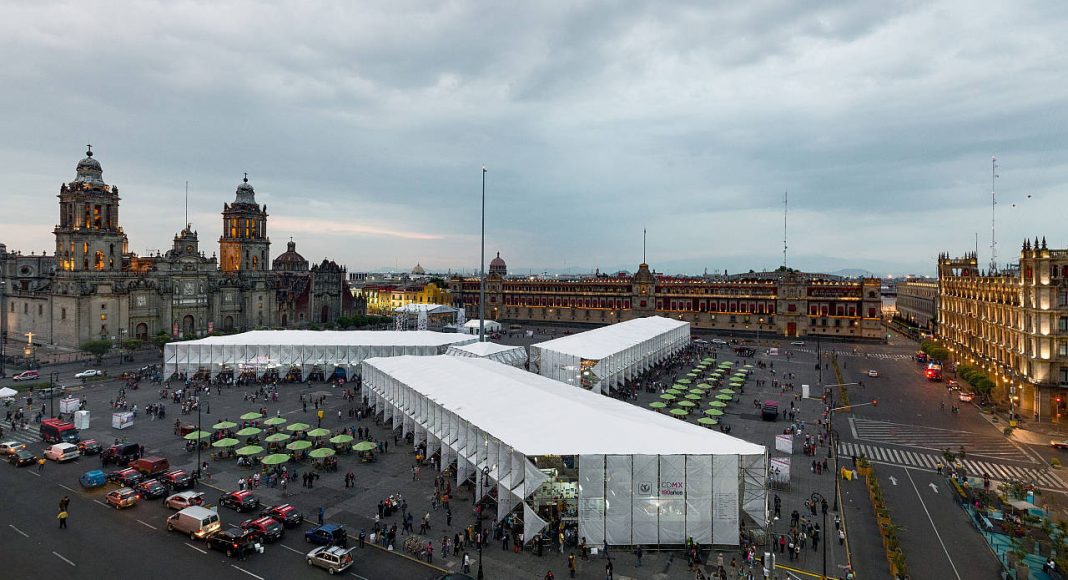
[(151, 466), (11, 447), (22, 457), (873, 373), (93, 479), (126, 477), (89, 447), (284, 514), (89, 373), (333, 559), (177, 479), (241, 501), (62, 452), (266, 528), (152, 489), (123, 497), (184, 499), (770, 411), (234, 542), (718, 341), (327, 534), (197, 521), (798, 343), (1059, 443), (965, 397), (27, 376)]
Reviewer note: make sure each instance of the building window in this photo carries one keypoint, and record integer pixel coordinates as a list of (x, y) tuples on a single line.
[(62, 313), (40, 309), (1062, 298), (1064, 375), (1062, 324), (1063, 348), (25, 307)]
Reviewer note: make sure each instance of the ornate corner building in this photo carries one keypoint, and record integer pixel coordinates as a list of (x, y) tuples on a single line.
[(93, 287), (1013, 324), (780, 303)]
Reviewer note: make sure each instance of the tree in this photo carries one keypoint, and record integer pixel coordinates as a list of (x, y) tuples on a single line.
[(161, 339), (97, 348), (131, 344)]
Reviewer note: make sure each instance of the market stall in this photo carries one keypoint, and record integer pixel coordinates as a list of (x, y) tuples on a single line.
[(624, 474), (298, 352), (471, 326), (606, 357), (510, 355)]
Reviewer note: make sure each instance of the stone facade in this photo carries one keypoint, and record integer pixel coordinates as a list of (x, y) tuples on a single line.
[(1013, 324), (786, 303), (93, 287), (917, 302)]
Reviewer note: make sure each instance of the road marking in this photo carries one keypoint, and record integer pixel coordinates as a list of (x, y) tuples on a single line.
[(64, 559), (34, 474), (357, 575), (246, 571), (195, 548), (100, 502), (291, 549), (147, 525), (67, 488), (930, 519), (24, 534)]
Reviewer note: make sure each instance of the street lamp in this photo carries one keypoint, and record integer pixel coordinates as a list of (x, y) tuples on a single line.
[(482, 283), (837, 470), (481, 538), (3, 325), (817, 497)]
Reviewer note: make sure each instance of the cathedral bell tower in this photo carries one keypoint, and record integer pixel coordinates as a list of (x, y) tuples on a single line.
[(244, 245), (88, 237)]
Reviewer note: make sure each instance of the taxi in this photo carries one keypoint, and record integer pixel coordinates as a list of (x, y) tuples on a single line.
[(240, 501), (265, 528), (122, 498), (285, 514)]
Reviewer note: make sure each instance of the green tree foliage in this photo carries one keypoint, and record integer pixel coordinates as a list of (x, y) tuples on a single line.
[(97, 348)]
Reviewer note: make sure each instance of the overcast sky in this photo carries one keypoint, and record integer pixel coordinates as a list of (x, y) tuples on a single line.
[(364, 127)]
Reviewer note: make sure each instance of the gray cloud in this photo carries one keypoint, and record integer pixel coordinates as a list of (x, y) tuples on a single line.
[(364, 126)]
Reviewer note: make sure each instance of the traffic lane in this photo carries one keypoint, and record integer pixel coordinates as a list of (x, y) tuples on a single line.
[(937, 538), (288, 559)]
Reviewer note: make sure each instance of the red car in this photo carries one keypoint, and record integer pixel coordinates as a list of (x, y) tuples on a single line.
[(241, 501), (176, 479), (266, 528), (284, 514), (152, 489), (126, 477)]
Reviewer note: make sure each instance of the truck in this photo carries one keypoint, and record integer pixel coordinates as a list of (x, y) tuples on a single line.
[(933, 372), (56, 431)]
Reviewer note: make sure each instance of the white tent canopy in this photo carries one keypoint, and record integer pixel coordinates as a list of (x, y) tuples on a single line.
[(471, 326), (427, 308), (7, 393), (510, 355), (660, 473), (263, 349), (606, 357)]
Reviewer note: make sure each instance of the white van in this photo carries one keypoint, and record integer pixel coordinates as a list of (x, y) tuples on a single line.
[(197, 521), (61, 452)]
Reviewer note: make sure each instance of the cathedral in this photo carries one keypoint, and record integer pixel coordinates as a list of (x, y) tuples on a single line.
[(93, 287)]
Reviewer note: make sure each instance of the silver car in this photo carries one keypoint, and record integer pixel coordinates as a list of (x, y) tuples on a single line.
[(334, 558)]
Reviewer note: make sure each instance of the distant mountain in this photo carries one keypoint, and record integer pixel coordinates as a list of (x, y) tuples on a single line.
[(854, 273)]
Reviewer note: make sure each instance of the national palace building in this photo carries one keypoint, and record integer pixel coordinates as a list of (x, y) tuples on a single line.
[(93, 287), (781, 303), (1012, 323)]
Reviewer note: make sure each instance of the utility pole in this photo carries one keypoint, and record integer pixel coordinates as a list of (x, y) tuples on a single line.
[(993, 206), (482, 273)]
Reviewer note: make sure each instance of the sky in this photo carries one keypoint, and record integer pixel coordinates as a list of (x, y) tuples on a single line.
[(364, 127)]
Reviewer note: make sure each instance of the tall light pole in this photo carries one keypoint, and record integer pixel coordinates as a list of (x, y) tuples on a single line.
[(817, 497), (3, 323), (482, 273)]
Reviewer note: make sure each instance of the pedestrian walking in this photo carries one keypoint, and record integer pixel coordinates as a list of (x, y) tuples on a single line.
[(62, 517), (467, 564), (571, 565), (321, 513), (638, 553), (40, 464), (64, 503)]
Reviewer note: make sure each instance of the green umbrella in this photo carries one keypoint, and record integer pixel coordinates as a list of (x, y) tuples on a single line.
[(250, 450), (276, 438), (249, 432), (736, 382), (320, 432), (726, 364), (674, 391), (275, 459), (717, 404), (693, 397), (298, 445), (708, 359), (197, 435), (680, 386), (704, 386), (747, 367), (727, 391), (723, 397), (343, 438), (224, 425), (713, 412), (364, 446), (678, 412), (297, 427), (692, 375), (658, 404), (707, 421), (686, 404), (321, 453), (274, 422), (684, 381), (228, 442), (697, 392), (668, 397), (251, 416)]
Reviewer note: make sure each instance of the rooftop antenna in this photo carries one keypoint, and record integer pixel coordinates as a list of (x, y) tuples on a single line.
[(644, 235), (993, 204), (785, 211), (187, 203)]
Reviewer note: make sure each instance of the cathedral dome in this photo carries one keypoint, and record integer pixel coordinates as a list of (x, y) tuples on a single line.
[(290, 261), (89, 170), (418, 270), (497, 266), (245, 194)]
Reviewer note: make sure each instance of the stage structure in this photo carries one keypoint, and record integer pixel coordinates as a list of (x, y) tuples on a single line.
[(510, 355)]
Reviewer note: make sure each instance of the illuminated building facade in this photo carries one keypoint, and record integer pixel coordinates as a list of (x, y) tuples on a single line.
[(917, 302), (1012, 324)]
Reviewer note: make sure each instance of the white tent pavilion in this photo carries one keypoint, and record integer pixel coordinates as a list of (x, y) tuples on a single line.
[(471, 326), (606, 357), (510, 355), (630, 476), (260, 350), (430, 309)]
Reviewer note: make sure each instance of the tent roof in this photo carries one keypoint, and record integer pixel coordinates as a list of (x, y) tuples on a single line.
[(487, 348), (474, 323), (602, 342), (6, 392), (335, 337), (428, 308), (515, 406)]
